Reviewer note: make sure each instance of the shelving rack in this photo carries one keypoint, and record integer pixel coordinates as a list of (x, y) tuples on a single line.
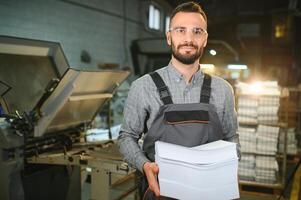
[(271, 187)]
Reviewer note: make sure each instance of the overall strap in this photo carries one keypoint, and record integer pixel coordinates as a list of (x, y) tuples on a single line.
[(206, 89), (162, 88)]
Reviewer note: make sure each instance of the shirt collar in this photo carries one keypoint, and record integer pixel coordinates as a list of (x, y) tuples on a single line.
[(174, 72), (195, 78)]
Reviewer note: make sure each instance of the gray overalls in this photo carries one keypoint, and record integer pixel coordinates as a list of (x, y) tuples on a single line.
[(183, 124)]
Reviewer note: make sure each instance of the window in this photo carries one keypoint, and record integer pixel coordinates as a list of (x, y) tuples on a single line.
[(280, 31), (154, 17), (167, 20)]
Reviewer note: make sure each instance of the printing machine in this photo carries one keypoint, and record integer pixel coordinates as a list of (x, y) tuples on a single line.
[(47, 108)]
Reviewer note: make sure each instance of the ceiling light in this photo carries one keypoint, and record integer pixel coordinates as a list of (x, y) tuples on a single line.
[(237, 66), (212, 52)]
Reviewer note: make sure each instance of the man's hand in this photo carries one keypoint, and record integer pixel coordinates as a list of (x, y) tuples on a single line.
[(151, 171)]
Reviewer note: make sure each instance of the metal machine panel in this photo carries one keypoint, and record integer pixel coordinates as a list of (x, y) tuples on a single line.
[(35, 76), (27, 67), (77, 99)]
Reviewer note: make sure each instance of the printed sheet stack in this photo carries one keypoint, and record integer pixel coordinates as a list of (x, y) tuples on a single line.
[(246, 168), (247, 138), (291, 142), (267, 139), (203, 172), (266, 169), (247, 109)]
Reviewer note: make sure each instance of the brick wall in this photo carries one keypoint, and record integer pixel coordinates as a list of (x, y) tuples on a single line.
[(96, 26)]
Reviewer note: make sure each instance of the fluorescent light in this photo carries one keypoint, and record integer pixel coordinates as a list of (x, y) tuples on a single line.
[(237, 66), (207, 66), (213, 52)]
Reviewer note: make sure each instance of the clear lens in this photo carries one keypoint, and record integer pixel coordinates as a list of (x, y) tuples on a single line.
[(181, 31)]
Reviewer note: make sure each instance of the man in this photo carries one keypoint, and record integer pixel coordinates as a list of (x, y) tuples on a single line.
[(178, 103)]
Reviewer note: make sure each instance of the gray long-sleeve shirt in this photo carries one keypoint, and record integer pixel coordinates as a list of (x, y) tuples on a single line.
[(143, 103)]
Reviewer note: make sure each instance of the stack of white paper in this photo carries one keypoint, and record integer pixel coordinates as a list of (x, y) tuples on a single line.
[(247, 137), (291, 142), (268, 107), (204, 172), (260, 102), (266, 169), (268, 114), (267, 139), (246, 169), (247, 112), (247, 109), (247, 102), (260, 88), (267, 166), (269, 101)]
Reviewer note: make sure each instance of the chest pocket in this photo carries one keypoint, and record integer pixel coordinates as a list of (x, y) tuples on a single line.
[(183, 117)]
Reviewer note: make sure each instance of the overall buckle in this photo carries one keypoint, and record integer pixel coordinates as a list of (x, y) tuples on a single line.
[(163, 92)]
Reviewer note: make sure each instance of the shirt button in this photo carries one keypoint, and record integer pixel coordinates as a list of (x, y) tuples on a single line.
[(178, 80)]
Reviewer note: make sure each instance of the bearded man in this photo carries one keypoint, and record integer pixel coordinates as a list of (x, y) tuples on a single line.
[(178, 103)]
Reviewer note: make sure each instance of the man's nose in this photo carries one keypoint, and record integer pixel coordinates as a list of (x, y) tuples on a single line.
[(188, 36)]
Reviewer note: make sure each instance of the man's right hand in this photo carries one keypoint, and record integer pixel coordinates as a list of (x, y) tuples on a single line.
[(151, 171)]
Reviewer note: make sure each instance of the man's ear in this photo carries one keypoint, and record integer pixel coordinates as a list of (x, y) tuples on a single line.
[(205, 42), (168, 38)]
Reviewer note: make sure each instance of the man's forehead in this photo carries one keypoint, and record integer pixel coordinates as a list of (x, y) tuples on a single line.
[(186, 18)]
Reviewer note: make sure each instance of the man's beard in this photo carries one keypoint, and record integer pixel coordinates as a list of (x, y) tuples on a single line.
[(186, 58)]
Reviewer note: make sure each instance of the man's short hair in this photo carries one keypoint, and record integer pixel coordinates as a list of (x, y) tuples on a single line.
[(188, 7)]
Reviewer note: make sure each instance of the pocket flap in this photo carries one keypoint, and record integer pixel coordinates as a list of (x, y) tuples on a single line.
[(187, 116)]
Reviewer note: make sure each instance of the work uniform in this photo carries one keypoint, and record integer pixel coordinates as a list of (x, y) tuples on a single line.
[(185, 114), (183, 124)]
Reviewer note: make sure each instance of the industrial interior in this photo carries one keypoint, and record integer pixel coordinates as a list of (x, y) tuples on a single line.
[(66, 67)]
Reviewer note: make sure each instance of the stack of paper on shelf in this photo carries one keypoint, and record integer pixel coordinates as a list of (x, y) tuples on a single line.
[(269, 101), (268, 114), (258, 107), (266, 169), (204, 172), (247, 102), (247, 109), (247, 112), (258, 103), (247, 120), (291, 142), (247, 137), (267, 139), (246, 166), (268, 107), (268, 88)]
